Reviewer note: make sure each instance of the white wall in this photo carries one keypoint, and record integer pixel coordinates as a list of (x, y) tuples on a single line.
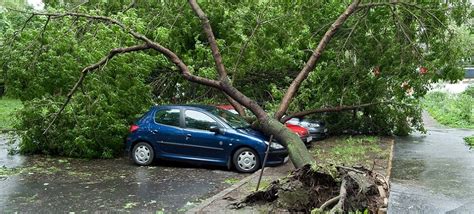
[(453, 88)]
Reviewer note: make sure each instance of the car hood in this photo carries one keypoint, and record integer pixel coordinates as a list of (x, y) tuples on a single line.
[(252, 133), (297, 129)]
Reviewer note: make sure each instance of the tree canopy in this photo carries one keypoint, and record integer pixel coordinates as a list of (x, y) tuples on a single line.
[(387, 54)]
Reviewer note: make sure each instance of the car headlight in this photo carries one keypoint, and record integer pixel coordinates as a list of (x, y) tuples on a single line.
[(275, 145)]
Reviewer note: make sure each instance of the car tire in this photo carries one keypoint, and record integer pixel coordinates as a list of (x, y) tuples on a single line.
[(143, 154), (246, 160)]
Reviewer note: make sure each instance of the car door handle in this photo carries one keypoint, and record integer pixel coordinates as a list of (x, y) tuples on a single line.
[(188, 136), (154, 131)]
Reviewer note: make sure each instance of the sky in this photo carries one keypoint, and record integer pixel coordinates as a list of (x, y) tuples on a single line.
[(37, 4)]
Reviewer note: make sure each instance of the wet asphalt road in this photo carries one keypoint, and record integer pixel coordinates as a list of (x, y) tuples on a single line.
[(38, 184), (433, 172)]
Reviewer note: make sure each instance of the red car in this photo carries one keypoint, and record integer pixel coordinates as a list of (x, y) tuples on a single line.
[(228, 108), (301, 131)]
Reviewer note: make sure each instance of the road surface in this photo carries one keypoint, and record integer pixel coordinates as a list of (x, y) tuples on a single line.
[(433, 172)]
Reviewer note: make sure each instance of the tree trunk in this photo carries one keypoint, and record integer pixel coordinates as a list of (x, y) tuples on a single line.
[(299, 155)]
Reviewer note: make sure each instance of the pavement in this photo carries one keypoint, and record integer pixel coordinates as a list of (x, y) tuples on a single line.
[(40, 184), (222, 202), (433, 172)]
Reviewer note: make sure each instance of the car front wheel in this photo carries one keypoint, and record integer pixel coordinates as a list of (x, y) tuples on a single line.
[(143, 154), (246, 160)]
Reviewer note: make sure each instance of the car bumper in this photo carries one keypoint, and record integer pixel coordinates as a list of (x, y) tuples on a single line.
[(307, 139), (319, 134), (277, 157)]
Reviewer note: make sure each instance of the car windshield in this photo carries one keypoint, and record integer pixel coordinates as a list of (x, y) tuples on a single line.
[(235, 121)]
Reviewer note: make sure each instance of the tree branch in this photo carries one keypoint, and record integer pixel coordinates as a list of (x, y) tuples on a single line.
[(91, 68), (224, 80), (130, 6), (206, 27), (239, 108), (329, 109), (310, 64)]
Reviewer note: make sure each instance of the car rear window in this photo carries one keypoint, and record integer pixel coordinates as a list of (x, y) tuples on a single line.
[(167, 117)]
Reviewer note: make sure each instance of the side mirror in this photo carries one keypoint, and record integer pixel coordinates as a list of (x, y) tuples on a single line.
[(215, 129)]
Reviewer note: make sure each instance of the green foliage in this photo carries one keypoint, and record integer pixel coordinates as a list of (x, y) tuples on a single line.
[(7, 108), (451, 109), (469, 141), (94, 124), (469, 91)]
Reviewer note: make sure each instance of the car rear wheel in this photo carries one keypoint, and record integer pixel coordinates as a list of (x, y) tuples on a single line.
[(143, 154), (246, 160)]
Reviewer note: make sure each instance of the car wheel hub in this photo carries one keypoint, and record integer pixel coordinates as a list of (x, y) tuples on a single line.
[(142, 154), (247, 160)]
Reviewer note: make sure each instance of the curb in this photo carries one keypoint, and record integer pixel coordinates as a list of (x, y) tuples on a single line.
[(390, 159), (207, 202)]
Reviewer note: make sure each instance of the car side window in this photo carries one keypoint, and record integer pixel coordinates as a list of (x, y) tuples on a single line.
[(198, 120), (167, 117)]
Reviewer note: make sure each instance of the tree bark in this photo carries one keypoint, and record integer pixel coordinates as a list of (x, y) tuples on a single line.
[(239, 108), (299, 154)]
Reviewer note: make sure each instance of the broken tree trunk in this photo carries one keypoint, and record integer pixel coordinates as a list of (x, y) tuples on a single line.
[(298, 153), (307, 190)]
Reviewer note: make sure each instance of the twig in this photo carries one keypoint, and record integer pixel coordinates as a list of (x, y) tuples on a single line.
[(329, 202), (264, 161), (354, 28), (350, 169), (131, 5)]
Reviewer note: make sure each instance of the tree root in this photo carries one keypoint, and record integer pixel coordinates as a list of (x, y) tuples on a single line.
[(307, 190)]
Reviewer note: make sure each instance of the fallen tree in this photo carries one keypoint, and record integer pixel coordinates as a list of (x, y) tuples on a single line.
[(271, 126), (358, 188)]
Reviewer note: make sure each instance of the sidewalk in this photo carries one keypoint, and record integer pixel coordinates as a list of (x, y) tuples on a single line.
[(433, 172), (220, 202)]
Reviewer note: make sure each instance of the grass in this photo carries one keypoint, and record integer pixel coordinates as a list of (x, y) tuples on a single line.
[(7, 108), (231, 181), (367, 151), (453, 110), (469, 141)]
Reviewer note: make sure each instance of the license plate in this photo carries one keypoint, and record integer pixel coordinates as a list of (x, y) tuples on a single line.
[(309, 139), (286, 159)]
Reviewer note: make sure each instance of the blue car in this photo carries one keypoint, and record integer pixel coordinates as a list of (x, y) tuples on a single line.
[(200, 133)]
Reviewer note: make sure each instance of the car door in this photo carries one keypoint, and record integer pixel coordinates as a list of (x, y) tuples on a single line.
[(205, 144), (167, 132)]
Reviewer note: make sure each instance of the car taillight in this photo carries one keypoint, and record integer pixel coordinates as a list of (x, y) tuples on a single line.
[(134, 128)]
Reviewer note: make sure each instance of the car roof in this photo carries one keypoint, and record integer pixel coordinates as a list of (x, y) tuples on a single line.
[(200, 106)]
